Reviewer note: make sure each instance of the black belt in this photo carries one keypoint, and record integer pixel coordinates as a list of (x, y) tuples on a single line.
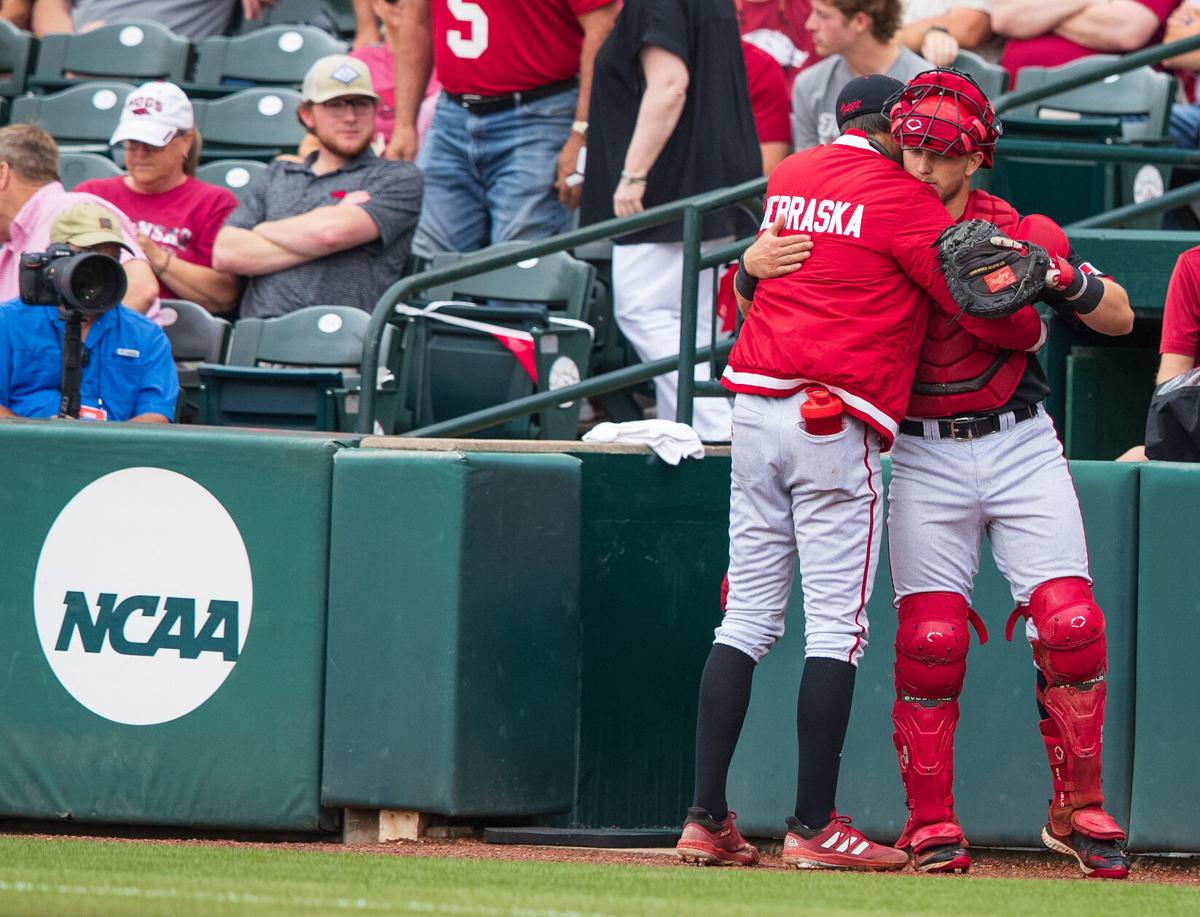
[(485, 105), (972, 426)]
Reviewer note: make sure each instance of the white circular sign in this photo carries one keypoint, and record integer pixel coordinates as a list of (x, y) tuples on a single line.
[(270, 106), (291, 42), (142, 596), (563, 372), (167, 316), (131, 36), (237, 177), (528, 263), (1147, 184), (104, 99), (330, 322)]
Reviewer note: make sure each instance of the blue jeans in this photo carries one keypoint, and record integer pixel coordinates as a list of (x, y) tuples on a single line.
[(1184, 126), (490, 178)]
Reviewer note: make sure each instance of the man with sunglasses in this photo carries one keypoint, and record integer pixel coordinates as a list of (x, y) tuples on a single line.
[(335, 228)]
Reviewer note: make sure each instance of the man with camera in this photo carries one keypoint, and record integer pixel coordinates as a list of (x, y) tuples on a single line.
[(68, 347)]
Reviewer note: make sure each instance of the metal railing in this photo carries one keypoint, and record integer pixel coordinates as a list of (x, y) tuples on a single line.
[(691, 210)]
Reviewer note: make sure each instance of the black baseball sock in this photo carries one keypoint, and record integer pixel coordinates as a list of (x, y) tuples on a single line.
[(822, 713), (724, 697)]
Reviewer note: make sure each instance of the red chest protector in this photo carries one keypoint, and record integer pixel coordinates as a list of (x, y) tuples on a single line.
[(958, 373)]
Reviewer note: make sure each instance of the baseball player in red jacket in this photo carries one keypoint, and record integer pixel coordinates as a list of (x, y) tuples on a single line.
[(977, 454), (822, 370)]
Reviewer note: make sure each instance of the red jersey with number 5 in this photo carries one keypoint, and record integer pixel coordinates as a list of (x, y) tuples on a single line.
[(497, 47)]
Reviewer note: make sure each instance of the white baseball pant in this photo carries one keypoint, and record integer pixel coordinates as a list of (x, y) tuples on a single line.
[(1013, 485), (647, 286), (794, 496)]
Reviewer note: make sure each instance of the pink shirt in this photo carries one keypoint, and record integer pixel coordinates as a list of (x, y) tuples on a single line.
[(30, 232)]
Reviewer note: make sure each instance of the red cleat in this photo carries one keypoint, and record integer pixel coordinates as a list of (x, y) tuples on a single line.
[(837, 846), (713, 843)]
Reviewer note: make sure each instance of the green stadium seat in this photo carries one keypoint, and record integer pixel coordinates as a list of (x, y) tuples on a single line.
[(80, 167), (277, 55), (333, 16), (300, 370), (449, 369), (16, 52), (81, 118), (992, 78), (1130, 107), (560, 282), (235, 175), (197, 336), (136, 50), (250, 124)]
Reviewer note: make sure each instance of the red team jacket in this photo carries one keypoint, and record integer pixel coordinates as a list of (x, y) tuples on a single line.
[(854, 318)]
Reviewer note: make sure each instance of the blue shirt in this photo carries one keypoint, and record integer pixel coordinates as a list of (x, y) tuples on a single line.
[(128, 366)]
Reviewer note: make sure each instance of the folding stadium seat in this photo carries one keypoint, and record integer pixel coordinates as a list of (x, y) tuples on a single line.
[(298, 371), (250, 124), (16, 50), (460, 357), (136, 50), (1129, 107), (80, 167), (992, 78), (232, 174), (80, 118), (197, 336), (277, 55), (333, 16)]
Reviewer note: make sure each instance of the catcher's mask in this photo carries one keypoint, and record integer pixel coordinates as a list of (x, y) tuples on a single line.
[(944, 111)]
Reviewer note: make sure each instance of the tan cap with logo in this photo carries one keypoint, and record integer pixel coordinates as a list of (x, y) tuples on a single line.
[(335, 76), (85, 225)]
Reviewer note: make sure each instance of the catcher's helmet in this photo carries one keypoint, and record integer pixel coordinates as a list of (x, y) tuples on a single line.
[(946, 112)]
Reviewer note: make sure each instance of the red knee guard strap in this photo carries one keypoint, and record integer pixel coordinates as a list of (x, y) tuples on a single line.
[(924, 739)]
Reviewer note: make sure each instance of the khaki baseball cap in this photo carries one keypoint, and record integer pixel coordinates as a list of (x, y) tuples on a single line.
[(85, 225), (335, 76)]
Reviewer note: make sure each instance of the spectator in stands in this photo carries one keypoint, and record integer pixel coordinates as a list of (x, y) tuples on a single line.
[(177, 215), (195, 20), (1184, 22), (128, 372), (30, 196), (857, 37), (501, 158), (334, 229), (939, 29), (1048, 33), (381, 62), (778, 27), (668, 83), (770, 103)]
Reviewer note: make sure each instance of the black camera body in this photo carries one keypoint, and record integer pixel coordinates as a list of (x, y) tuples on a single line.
[(85, 282)]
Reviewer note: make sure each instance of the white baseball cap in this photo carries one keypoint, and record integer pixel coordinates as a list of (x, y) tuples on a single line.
[(154, 113), (335, 76)]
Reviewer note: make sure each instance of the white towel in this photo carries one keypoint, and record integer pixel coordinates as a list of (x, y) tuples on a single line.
[(671, 441)]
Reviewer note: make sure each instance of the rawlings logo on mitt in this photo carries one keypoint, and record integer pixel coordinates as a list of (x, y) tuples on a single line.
[(988, 274)]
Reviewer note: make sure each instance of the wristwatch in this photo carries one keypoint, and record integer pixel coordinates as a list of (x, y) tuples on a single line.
[(579, 127)]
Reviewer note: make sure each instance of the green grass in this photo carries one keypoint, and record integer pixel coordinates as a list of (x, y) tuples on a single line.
[(71, 877)]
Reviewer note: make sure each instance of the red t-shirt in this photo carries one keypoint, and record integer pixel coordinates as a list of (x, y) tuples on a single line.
[(1052, 50), (496, 47), (770, 100), (1181, 314), (786, 18), (184, 220)]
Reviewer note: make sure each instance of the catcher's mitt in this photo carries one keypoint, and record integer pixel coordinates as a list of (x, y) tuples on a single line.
[(988, 274)]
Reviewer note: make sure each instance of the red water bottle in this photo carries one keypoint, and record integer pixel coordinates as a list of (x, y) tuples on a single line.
[(822, 412)]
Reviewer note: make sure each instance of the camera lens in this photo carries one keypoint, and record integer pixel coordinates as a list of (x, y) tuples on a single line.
[(91, 282)]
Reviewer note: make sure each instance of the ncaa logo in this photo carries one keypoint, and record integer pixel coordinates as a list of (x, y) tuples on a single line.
[(142, 596)]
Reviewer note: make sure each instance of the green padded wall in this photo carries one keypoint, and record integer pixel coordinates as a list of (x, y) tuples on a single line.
[(655, 545), (118, 713), (1002, 778), (1166, 797), (453, 632)]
